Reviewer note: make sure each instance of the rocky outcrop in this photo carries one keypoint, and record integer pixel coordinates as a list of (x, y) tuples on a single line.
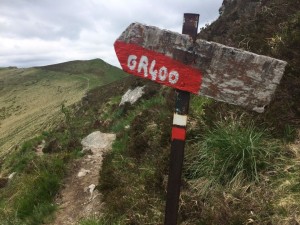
[(97, 141), (269, 28), (247, 7), (131, 96)]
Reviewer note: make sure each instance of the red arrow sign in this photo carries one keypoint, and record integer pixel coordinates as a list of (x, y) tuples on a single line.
[(226, 74), (155, 66)]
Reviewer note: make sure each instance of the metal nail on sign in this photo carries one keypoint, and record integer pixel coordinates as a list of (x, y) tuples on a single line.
[(205, 68)]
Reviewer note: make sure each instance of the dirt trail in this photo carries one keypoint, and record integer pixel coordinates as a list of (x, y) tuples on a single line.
[(79, 199)]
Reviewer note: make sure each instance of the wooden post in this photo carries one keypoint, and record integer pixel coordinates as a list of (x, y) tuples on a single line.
[(190, 27)]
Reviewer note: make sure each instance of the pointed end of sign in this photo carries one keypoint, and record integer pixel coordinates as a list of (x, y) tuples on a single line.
[(118, 50)]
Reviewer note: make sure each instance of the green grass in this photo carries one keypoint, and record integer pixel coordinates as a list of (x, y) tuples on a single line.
[(132, 170), (29, 197), (227, 165), (231, 149), (31, 98), (225, 169), (118, 115), (230, 155), (235, 172), (96, 71)]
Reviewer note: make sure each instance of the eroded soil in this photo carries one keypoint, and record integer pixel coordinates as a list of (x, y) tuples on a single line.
[(79, 198)]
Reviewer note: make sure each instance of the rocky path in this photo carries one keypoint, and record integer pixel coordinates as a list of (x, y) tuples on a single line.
[(79, 199)]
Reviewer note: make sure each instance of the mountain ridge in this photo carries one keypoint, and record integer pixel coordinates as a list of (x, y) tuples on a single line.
[(27, 91)]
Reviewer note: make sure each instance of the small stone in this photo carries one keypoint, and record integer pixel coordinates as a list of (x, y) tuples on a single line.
[(97, 141), (40, 147), (11, 176), (83, 172), (92, 188), (132, 96)]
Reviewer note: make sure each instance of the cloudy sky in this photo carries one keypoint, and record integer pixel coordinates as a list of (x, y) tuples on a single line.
[(42, 32)]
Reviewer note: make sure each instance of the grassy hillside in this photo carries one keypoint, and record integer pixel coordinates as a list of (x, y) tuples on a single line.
[(28, 198), (97, 71), (31, 99), (240, 167)]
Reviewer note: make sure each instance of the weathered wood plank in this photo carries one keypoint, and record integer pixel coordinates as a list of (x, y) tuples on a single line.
[(225, 73)]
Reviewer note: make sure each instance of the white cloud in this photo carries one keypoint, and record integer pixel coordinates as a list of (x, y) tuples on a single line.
[(34, 33)]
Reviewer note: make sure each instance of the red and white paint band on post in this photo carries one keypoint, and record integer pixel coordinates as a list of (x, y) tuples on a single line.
[(179, 127)]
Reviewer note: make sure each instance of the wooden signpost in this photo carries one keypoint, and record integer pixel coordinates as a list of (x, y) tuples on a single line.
[(195, 66)]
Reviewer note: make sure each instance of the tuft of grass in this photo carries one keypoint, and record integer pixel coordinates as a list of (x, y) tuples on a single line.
[(39, 188), (230, 149), (289, 133), (235, 203), (197, 105)]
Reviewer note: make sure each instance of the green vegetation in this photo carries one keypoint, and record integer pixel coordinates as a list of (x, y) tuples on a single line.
[(239, 168), (30, 99), (226, 177), (233, 148), (271, 28), (135, 155), (33, 99), (235, 171), (28, 199), (95, 72)]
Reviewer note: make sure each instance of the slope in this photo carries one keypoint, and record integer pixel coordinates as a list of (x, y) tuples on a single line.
[(240, 167), (270, 28), (31, 99)]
